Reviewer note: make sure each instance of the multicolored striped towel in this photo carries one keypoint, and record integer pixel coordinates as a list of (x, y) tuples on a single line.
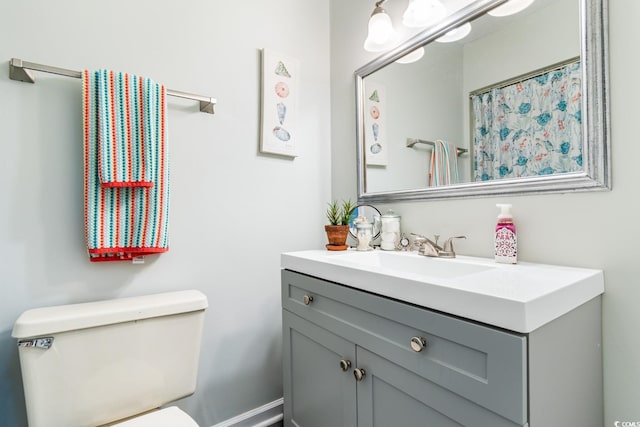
[(444, 164), (126, 166)]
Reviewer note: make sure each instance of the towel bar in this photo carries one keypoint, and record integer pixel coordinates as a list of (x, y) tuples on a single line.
[(21, 70), (413, 141)]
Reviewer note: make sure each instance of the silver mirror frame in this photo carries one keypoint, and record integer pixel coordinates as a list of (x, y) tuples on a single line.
[(594, 53)]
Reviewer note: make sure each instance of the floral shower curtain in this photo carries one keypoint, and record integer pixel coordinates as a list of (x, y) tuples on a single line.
[(529, 128)]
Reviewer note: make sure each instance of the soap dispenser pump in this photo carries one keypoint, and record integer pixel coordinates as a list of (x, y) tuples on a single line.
[(506, 242)]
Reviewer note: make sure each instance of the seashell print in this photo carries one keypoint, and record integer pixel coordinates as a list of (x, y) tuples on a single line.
[(282, 89), (375, 112), (281, 70), (281, 133), (562, 105), (374, 96), (524, 108), (542, 80), (543, 119), (282, 112), (375, 128), (504, 133), (375, 148)]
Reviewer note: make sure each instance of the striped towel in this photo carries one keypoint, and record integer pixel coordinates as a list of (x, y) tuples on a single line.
[(126, 167), (126, 108), (444, 164)]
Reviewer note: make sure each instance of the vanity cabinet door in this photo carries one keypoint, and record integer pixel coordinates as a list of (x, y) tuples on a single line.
[(319, 385), (390, 395)]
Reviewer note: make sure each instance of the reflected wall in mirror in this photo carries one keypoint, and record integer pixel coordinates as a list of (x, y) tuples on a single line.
[(545, 128)]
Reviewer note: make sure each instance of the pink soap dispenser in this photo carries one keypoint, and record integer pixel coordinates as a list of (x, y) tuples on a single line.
[(506, 241)]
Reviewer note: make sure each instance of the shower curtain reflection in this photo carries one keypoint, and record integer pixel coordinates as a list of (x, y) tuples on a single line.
[(530, 125)]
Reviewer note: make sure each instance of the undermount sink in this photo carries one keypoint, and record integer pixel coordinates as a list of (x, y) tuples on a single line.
[(520, 297), (412, 264)]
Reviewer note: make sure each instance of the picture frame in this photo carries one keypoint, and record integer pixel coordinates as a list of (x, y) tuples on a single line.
[(280, 75)]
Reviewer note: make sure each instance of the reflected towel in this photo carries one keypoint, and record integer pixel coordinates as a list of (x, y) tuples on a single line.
[(122, 222), (444, 164)]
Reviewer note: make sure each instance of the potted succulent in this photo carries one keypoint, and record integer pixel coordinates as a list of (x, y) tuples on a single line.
[(338, 227)]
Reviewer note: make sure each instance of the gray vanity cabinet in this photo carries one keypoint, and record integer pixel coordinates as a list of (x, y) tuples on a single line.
[(356, 359)]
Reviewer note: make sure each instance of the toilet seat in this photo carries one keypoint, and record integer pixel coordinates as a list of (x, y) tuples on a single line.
[(167, 417)]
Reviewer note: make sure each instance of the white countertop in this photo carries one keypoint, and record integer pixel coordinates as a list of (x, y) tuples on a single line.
[(519, 297)]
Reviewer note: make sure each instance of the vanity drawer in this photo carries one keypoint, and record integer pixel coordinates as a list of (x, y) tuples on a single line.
[(482, 364)]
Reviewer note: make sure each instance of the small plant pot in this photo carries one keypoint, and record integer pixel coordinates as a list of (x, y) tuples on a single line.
[(337, 236)]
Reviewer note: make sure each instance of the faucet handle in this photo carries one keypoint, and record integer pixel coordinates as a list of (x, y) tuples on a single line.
[(447, 249)]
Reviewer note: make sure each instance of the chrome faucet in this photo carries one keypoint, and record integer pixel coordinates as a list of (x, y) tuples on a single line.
[(428, 247)]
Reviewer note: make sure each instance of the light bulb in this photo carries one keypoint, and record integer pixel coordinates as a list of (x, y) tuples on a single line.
[(511, 7), (422, 13), (456, 34), (412, 56)]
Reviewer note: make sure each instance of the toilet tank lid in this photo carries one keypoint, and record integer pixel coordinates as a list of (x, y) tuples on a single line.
[(62, 318)]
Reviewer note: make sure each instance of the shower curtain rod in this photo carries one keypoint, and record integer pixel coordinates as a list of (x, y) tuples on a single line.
[(21, 70), (413, 141)]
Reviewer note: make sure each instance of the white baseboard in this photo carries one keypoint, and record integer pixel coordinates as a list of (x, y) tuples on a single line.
[(264, 416)]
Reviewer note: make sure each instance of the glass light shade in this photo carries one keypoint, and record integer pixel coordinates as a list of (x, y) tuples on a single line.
[(381, 34), (411, 56), (456, 34), (422, 13), (380, 27), (510, 8)]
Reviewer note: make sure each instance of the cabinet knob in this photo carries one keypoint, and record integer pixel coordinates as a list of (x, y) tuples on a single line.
[(307, 299), (345, 364), (418, 343), (359, 374)]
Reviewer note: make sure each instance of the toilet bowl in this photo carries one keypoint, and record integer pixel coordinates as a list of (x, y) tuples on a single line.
[(111, 363)]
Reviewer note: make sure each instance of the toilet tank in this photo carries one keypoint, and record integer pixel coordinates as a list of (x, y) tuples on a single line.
[(108, 360)]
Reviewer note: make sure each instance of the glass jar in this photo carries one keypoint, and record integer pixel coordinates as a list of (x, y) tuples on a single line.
[(390, 232), (364, 233)]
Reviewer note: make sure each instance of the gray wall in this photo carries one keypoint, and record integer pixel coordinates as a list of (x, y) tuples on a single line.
[(233, 210), (597, 230)]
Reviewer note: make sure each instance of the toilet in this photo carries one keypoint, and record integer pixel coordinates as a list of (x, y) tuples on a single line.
[(111, 363)]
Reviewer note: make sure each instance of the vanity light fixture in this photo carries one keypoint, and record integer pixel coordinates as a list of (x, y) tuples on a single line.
[(380, 29), (456, 34), (510, 8), (422, 13), (381, 35), (412, 56)]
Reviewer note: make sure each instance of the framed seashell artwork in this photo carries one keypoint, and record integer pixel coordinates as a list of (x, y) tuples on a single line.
[(279, 109), (375, 129)]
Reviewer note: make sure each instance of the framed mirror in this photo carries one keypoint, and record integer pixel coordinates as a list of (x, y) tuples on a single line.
[(519, 105)]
